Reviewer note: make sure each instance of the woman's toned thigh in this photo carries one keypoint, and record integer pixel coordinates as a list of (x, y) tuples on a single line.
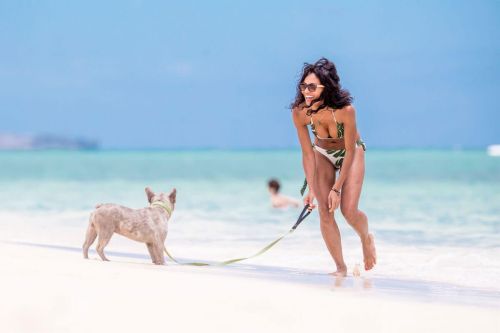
[(351, 190), (324, 178)]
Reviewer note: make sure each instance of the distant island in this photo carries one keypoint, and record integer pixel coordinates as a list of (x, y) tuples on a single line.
[(44, 141)]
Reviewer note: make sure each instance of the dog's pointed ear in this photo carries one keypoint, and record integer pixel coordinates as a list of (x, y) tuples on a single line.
[(149, 193), (172, 196)]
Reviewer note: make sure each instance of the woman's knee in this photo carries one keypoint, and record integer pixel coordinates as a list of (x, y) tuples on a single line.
[(349, 212), (326, 218), (324, 214)]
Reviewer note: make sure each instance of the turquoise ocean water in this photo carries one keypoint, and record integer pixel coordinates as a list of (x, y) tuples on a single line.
[(435, 213)]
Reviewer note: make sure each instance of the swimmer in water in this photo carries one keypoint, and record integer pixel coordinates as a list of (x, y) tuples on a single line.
[(279, 200)]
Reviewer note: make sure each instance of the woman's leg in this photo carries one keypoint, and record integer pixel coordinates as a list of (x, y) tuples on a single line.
[(324, 179), (351, 190)]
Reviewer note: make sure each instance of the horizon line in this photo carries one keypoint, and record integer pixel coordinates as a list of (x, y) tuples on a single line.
[(295, 148)]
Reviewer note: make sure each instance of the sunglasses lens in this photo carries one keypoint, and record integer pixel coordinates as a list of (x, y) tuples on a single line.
[(311, 86)]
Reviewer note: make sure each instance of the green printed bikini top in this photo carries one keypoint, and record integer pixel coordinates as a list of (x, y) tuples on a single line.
[(340, 127)]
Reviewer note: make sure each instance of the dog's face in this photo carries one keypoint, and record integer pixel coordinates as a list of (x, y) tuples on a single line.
[(163, 197)]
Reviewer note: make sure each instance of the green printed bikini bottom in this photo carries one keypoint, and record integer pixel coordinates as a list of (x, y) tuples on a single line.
[(335, 156)]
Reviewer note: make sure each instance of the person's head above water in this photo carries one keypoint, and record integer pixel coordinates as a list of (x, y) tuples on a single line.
[(320, 81), (274, 185)]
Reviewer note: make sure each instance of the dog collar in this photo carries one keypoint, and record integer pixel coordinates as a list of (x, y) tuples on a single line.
[(164, 206)]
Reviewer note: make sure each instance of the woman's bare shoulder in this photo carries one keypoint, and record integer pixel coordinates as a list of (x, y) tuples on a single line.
[(299, 107), (299, 116), (347, 112)]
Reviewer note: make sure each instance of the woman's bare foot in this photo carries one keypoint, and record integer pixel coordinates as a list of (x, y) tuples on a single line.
[(340, 272), (369, 252)]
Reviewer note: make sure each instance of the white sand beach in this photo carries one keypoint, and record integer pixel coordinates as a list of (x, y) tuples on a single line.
[(54, 290)]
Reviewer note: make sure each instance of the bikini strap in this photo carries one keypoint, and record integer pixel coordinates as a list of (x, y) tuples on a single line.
[(333, 114)]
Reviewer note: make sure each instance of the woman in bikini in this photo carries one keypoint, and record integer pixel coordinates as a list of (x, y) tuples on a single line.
[(323, 104)]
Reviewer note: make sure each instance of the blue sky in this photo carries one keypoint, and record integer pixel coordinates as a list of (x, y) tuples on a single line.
[(161, 74)]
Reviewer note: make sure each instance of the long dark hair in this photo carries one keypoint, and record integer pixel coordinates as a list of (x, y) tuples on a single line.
[(333, 95)]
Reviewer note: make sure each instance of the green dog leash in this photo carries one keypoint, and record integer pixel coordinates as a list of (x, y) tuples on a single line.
[(301, 218)]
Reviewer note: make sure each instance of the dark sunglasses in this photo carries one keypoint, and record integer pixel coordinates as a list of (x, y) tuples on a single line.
[(311, 86)]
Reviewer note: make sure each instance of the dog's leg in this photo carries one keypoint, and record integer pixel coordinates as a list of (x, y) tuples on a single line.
[(89, 238), (161, 247), (104, 237), (158, 249), (152, 252)]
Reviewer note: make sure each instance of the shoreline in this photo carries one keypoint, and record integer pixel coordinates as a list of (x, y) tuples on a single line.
[(386, 287)]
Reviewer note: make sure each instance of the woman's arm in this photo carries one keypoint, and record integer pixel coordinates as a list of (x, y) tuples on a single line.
[(308, 161)]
